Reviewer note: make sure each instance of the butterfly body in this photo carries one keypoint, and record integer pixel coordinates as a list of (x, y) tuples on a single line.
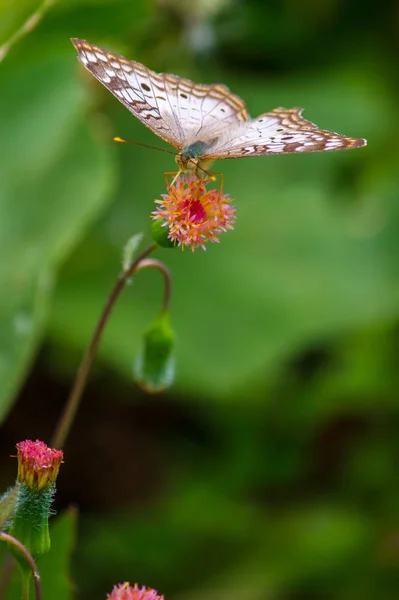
[(204, 122), (193, 157)]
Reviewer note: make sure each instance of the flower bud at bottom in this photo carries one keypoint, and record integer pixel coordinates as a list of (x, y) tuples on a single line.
[(38, 467), (125, 591)]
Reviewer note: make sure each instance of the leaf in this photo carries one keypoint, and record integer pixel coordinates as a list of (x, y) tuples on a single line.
[(129, 250), (7, 504), (55, 566), (55, 179)]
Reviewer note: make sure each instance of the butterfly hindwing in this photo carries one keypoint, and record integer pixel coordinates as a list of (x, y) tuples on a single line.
[(280, 131)]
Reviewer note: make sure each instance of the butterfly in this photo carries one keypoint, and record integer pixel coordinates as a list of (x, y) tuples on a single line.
[(204, 122)]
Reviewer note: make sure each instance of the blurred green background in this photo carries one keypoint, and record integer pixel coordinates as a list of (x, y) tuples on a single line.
[(270, 469)]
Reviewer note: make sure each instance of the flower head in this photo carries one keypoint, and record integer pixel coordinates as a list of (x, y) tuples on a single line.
[(38, 467), (124, 591), (192, 214), (38, 464)]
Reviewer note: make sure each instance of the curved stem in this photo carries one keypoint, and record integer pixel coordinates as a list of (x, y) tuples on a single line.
[(149, 263), (65, 422), (29, 560)]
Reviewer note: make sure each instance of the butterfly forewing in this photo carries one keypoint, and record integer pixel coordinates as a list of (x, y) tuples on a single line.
[(276, 132), (133, 85), (174, 108)]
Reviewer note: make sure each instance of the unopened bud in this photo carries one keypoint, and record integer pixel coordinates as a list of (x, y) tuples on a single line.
[(38, 467), (160, 234), (154, 369)]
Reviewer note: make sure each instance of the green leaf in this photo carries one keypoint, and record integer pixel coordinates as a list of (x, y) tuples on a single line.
[(56, 177), (129, 250), (7, 504), (54, 567)]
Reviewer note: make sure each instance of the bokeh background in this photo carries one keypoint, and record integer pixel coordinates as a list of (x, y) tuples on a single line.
[(270, 470)]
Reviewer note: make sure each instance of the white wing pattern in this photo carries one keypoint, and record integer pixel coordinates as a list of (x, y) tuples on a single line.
[(182, 112), (279, 131), (174, 108)]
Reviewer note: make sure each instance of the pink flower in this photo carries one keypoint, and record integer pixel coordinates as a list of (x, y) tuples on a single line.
[(38, 464), (192, 214), (124, 591)]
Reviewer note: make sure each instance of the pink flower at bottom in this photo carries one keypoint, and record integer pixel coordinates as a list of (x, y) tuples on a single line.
[(192, 214), (124, 591)]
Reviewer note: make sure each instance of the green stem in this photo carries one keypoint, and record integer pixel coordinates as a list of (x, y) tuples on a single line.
[(160, 266), (65, 422)]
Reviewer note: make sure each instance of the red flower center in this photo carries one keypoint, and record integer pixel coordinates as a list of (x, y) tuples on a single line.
[(196, 212)]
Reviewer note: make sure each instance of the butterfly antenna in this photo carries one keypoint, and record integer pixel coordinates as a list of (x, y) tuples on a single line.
[(123, 141)]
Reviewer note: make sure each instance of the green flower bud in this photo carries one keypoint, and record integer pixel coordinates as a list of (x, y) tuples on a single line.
[(160, 232), (154, 369)]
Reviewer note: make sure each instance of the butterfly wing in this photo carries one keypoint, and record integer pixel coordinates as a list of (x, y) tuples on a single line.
[(203, 110), (176, 109), (280, 131)]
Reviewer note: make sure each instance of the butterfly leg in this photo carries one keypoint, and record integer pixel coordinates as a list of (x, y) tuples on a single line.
[(174, 174), (213, 176)]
